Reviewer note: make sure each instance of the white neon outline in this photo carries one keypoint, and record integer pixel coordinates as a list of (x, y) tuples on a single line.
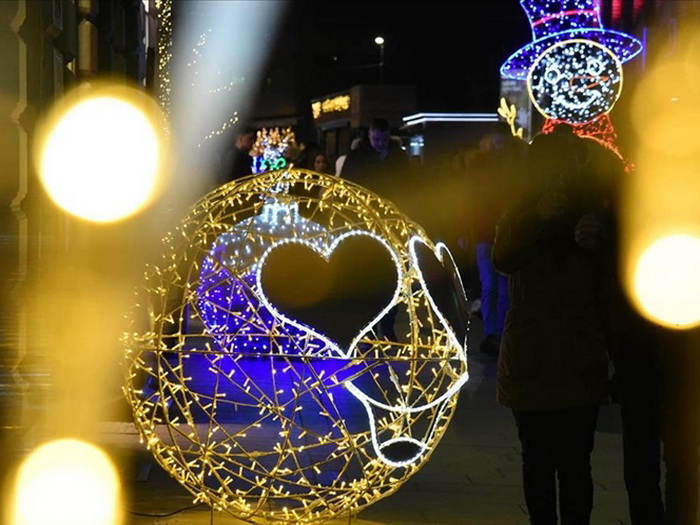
[(326, 253), (461, 350), (448, 115), (422, 447), (421, 118), (351, 351), (367, 403), (440, 248)]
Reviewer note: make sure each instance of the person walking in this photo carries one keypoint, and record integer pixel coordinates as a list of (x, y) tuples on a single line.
[(239, 162), (377, 163), (491, 176), (552, 364)]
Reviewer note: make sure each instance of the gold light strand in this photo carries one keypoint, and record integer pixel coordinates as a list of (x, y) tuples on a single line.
[(273, 138), (165, 44), (165, 55), (510, 114), (226, 125)]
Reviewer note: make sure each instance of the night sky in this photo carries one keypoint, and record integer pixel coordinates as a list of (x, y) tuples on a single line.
[(450, 50)]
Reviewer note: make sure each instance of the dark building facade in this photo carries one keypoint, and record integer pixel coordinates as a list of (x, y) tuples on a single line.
[(47, 48)]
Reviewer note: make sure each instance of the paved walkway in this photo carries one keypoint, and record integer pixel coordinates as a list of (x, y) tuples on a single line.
[(473, 476)]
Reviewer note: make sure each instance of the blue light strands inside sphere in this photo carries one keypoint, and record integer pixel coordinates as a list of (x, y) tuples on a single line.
[(555, 21), (228, 306)]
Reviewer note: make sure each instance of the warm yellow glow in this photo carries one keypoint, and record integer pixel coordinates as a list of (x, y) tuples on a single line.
[(661, 220), (667, 281), (101, 159), (67, 482), (510, 114), (330, 105)]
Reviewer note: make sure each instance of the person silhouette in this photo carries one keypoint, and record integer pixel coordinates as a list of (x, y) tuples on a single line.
[(552, 363)]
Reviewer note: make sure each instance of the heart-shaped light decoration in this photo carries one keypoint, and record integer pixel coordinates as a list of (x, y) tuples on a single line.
[(292, 268)]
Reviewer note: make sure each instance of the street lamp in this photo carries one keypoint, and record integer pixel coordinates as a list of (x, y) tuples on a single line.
[(380, 42)]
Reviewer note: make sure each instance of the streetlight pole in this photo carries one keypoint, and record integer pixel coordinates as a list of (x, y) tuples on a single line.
[(380, 42)]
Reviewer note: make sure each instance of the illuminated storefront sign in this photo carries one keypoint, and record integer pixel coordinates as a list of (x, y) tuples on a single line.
[(335, 104)]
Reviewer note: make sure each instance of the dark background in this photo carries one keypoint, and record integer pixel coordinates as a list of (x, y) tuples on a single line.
[(451, 51)]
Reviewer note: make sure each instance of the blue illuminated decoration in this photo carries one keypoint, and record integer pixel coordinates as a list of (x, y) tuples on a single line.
[(229, 306), (554, 21), (270, 163), (271, 148)]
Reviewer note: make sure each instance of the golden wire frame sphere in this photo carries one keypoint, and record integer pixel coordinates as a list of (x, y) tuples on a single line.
[(267, 418)]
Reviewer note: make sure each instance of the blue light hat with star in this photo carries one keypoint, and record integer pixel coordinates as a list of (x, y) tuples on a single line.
[(554, 21)]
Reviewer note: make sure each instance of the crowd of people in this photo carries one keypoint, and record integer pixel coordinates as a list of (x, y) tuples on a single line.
[(535, 230)]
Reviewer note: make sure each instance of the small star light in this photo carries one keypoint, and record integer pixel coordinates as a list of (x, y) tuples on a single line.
[(270, 149), (257, 371)]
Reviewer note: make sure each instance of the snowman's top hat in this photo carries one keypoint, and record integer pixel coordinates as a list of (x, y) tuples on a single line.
[(554, 21)]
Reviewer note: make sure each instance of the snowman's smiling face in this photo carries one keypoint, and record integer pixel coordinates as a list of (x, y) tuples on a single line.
[(575, 81)]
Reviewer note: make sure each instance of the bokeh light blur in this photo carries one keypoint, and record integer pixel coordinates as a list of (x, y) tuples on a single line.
[(667, 283), (662, 220), (66, 481), (102, 155)]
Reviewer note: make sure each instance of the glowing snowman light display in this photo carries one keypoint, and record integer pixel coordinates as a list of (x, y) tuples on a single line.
[(573, 66), (575, 81)]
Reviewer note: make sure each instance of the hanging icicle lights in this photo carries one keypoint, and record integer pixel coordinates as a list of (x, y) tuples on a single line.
[(270, 418)]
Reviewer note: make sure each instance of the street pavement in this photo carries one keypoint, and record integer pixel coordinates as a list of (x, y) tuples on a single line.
[(473, 476)]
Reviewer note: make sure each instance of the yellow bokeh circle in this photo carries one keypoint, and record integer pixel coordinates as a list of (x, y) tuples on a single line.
[(67, 481), (667, 282), (101, 156)]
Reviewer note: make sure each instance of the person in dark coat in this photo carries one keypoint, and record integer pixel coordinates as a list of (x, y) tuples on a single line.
[(377, 164), (552, 363), (239, 163)]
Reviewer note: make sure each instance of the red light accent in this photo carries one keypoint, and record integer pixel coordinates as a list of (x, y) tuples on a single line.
[(562, 14), (616, 11), (601, 130), (638, 4)]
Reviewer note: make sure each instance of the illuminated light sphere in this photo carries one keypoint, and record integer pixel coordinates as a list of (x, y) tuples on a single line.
[(575, 81), (101, 159), (67, 481), (554, 21), (262, 376), (666, 281)]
